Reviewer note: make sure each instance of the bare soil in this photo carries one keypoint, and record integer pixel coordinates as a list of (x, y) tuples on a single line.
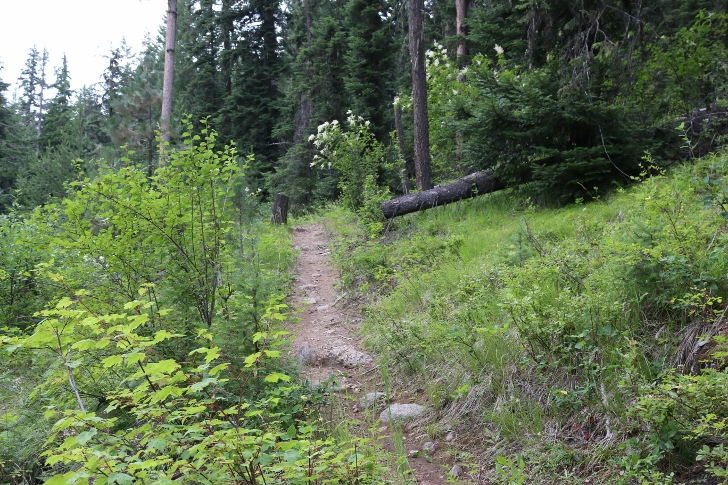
[(328, 326)]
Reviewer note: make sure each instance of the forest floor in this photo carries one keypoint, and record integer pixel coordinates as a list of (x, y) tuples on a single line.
[(328, 344)]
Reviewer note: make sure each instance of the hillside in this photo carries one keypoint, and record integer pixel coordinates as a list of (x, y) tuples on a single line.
[(583, 344)]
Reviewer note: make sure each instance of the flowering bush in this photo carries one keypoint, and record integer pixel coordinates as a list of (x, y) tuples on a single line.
[(353, 151)]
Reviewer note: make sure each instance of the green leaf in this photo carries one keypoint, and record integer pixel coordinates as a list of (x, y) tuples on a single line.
[(64, 479), (112, 360), (251, 359), (120, 478), (162, 367), (277, 376)]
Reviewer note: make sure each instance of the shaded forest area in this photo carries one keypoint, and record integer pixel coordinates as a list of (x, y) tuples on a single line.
[(563, 97)]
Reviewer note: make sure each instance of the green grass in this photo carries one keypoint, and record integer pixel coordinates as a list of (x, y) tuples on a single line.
[(542, 325)]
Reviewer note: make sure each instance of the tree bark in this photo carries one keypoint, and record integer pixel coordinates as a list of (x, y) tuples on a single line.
[(171, 36), (475, 184), (423, 166), (461, 12), (280, 209)]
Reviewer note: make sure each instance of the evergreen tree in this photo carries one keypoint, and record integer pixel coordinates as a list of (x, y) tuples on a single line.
[(91, 123), (316, 44), (116, 76), (32, 82), (252, 106), (368, 60), (137, 108), (198, 75), (8, 169), (58, 120)]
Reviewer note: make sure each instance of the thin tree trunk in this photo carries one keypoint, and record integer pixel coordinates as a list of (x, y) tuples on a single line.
[(41, 94), (461, 12), (423, 166), (167, 97)]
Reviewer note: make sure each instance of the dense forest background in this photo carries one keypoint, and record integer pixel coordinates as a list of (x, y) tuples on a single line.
[(552, 94)]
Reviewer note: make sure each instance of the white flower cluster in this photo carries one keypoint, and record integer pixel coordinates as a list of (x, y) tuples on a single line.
[(498, 49), (329, 135), (436, 57)]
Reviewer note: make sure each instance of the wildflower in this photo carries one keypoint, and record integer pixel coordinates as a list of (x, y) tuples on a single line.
[(498, 49), (455, 92), (437, 62), (312, 138), (335, 122), (366, 123)]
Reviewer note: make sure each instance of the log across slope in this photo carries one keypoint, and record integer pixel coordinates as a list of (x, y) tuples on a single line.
[(475, 184)]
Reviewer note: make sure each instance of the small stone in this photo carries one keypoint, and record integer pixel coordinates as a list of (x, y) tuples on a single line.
[(414, 453), (450, 436), (310, 301), (322, 308), (316, 275), (456, 471), (370, 399), (308, 287), (306, 354), (400, 412), (429, 447)]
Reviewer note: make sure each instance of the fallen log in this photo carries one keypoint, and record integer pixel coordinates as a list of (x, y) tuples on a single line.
[(475, 184)]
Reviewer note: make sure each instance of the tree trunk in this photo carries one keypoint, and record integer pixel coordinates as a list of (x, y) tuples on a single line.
[(280, 209), (167, 98), (475, 184), (461, 11), (423, 168)]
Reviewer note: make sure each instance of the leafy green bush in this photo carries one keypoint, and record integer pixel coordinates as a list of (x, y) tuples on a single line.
[(158, 420), (353, 151)]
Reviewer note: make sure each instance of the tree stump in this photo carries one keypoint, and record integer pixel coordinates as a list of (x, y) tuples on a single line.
[(280, 209)]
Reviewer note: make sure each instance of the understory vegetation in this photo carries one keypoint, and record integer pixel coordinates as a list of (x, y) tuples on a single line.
[(142, 339), (585, 343)]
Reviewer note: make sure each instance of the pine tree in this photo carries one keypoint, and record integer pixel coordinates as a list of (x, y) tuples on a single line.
[(116, 76), (32, 98), (368, 60), (137, 109), (252, 106), (8, 169), (58, 119), (199, 87), (91, 123)]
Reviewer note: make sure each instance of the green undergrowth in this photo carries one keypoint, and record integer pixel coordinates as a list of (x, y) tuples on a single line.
[(577, 343), (141, 339)]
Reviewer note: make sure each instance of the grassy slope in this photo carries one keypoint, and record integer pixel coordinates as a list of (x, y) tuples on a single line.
[(536, 332)]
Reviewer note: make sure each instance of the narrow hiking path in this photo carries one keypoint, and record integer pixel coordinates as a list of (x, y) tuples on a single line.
[(327, 344)]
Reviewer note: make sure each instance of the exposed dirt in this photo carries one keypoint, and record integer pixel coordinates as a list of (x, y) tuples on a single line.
[(327, 342)]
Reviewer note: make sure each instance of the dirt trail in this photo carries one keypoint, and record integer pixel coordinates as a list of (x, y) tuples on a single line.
[(327, 343)]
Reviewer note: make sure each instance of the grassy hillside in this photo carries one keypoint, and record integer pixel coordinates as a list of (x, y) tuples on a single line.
[(587, 341)]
